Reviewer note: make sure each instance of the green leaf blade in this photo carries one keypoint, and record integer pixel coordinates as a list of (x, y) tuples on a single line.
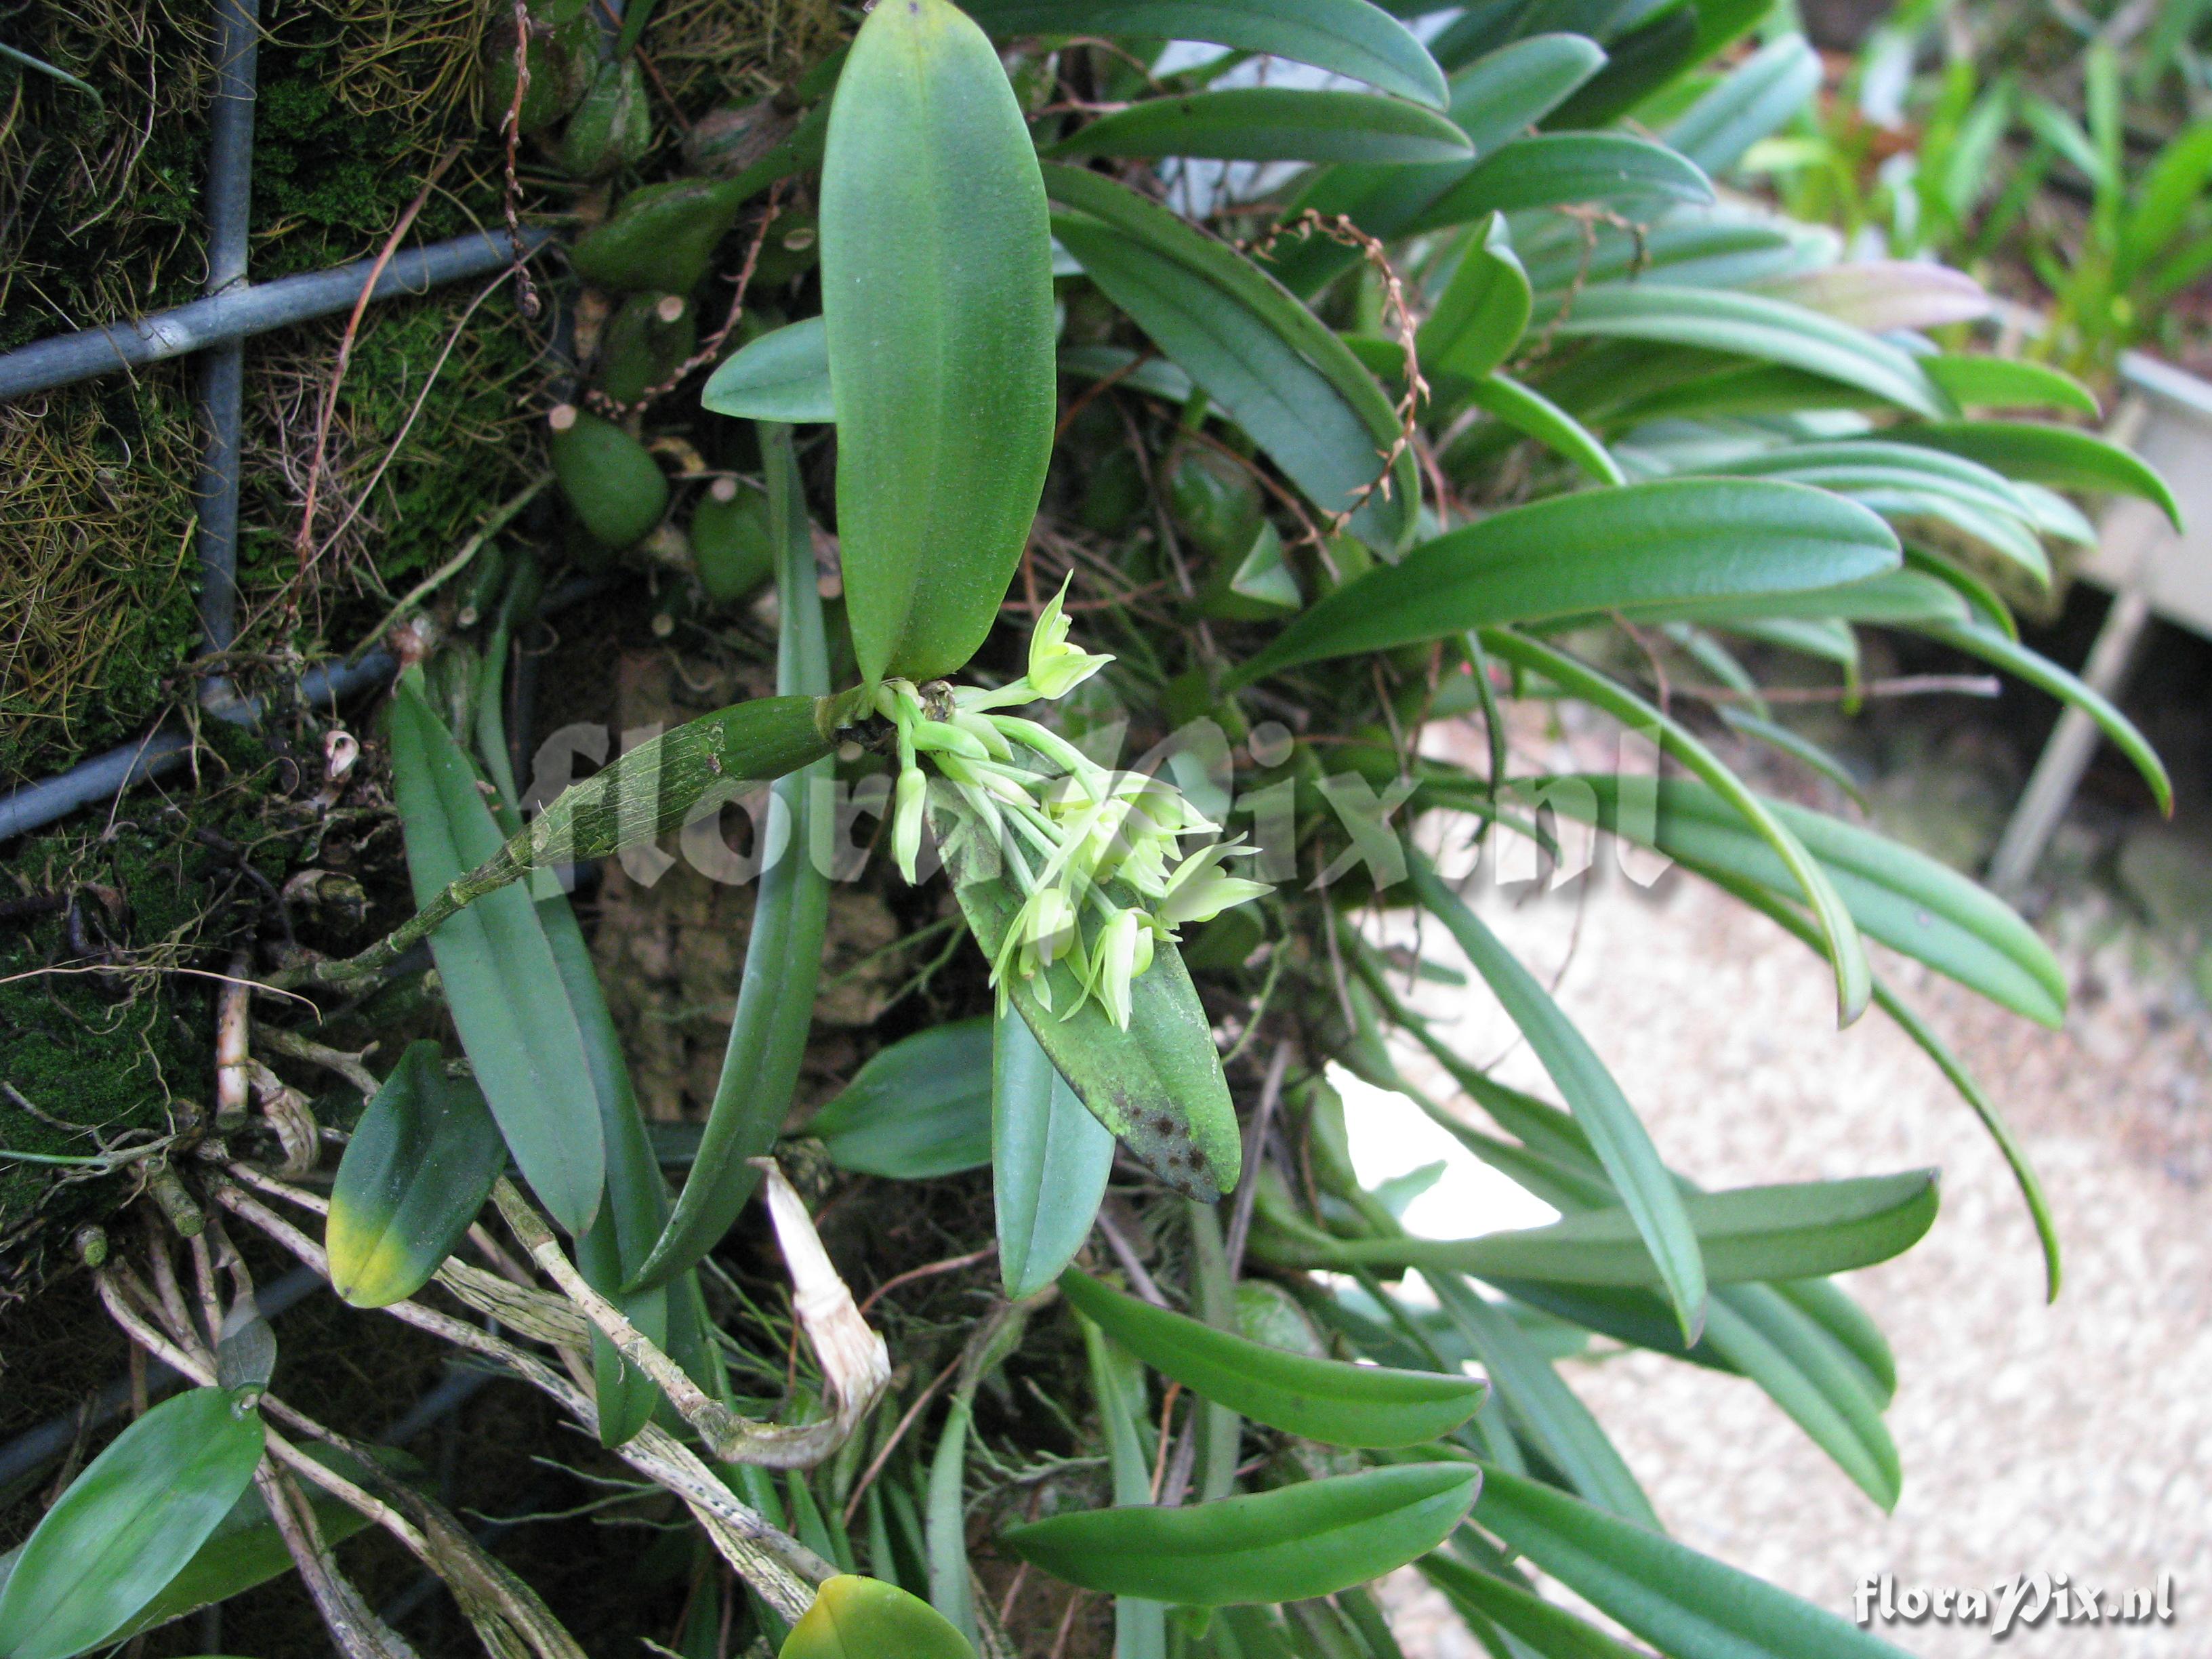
[(1667, 540), (784, 375), (128, 1524), (1049, 1158), (1347, 37), (499, 977), (919, 1109), (937, 300), (1272, 123), (1616, 1133), (418, 1168), (1312, 1539), (1323, 1399)]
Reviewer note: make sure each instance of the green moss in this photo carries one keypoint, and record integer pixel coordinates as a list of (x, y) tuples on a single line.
[(129, 1049)]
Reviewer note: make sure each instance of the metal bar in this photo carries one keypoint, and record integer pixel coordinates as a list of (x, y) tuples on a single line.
[(229, 199), (247, 309), (38, 804)]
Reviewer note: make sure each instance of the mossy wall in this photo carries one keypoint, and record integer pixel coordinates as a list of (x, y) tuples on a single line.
[(101, 219)]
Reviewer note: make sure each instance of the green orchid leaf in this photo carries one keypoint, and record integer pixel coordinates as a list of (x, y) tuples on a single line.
[(1798, 1230), (1272, 123), (1681, 1601), (1311, 1539), (418, 1168), (1980, 381), (1049, 1161), (499, 977), (1754, 326), (1905, 899), (1347, 37), (1323, 1399), (1754, 100), (2040, 671), (1268, 362), (1534, 415), (1558, 169), (856, 1618), (783, 952), (245, 1549), (1479, 317), (1548, 1630), (918, 1109), (937, 300), (1668, 540), (784, 375), (1616, 1133), (1839, 934), (1492, 102), (2057, 456), (129, 1523)]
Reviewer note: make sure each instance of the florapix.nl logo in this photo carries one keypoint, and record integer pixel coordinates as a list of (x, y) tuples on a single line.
[(2023, 1601)]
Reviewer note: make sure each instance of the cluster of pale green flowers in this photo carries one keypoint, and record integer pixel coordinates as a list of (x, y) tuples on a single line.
[(1064, 825)]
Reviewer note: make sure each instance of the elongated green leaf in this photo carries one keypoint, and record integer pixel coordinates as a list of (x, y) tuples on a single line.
[(1803, 1230), (783, 953), (1049, 1161), (1272, 123), (1905, 899), (128, 1524), (1846, 952), (945, 1522), (1253, 348), (499, 977), (1683, 1603), (1154, 376), (1550, 1631), (1622, 1145), (1754, 326), (856, 1618), (1977, 381), (636, 1209), (1140, 1625), (1493, 100), (1479, 317), (1307, 1539), (419, 1167), (1819, 1359), (1556, 169), (1756, 98), (1718, 246), (784, 375), (2055, 455), (1322, 1400), (1157, 1085), (1347, 37), (1672, 539), (1534, 415), (919, 1109), (1895, 598), (2045, 675), (245, 1549), (936, 298)]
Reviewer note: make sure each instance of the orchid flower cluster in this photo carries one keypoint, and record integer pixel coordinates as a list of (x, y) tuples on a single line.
[(1064, 825)]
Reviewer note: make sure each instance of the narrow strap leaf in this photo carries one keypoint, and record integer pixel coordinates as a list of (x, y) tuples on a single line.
[(1837, 931), (783, 954), (1617, 1134)]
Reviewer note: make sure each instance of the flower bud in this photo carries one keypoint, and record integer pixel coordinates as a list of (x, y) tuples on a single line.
[(906, 822)]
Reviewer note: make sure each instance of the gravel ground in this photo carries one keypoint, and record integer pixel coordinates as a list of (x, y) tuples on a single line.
[(2071, 1439)]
